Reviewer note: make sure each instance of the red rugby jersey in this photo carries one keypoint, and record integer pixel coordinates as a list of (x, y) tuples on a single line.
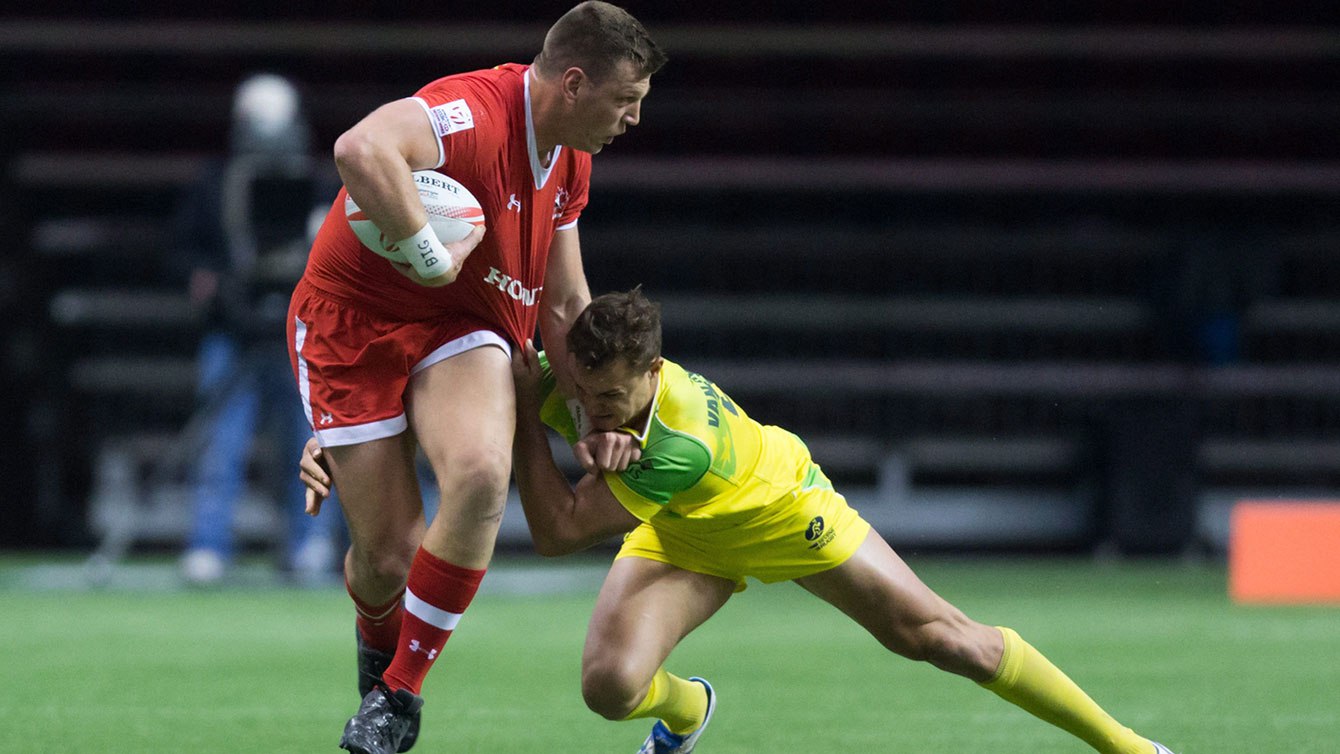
[(487, 142)]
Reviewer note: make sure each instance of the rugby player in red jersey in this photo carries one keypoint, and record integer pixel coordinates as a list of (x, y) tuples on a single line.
[(394, 358)]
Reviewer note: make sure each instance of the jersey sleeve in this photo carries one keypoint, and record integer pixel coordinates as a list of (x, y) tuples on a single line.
[(577, 192), (457, 115), (673, 464), (554, 411)]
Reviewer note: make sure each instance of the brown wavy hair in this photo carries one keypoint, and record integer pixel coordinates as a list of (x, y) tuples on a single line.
[(624, 325)]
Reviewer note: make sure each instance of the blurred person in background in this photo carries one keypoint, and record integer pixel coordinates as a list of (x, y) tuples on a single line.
[(240, 240)]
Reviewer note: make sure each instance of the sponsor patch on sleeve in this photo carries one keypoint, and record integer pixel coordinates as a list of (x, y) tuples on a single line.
[(451, 117)]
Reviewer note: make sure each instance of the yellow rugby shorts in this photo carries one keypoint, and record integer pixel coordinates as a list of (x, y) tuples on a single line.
[(788, 539)]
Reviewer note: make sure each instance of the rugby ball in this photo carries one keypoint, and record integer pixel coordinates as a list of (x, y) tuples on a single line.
[(452, 213)]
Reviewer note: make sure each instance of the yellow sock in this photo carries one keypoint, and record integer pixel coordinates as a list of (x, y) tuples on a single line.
[(681, 704), (1028, 680)]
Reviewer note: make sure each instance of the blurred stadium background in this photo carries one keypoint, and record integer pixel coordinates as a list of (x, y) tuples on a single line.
[(1059, 278), (1051, 279)]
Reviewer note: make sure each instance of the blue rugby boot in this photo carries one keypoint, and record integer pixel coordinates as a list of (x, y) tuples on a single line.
[(662, 741)]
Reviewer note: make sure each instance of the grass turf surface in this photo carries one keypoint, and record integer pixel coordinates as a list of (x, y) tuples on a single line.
[(271, 670)]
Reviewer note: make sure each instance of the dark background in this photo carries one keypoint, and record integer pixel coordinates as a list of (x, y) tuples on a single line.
[(1088, 251)]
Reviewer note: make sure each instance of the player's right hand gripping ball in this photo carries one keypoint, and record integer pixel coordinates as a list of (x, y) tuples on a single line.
[(452, 213)]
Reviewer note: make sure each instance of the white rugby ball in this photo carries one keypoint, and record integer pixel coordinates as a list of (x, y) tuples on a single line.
[(452, 213)]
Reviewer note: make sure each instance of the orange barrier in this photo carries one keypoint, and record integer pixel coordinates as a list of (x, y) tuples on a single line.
[(1283, 552)]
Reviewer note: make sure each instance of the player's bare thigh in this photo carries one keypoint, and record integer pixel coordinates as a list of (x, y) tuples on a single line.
[(462, 411), (881, 593), (644, 609), (380, 500)]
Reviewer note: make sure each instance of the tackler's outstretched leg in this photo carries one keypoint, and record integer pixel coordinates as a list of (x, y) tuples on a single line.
[(877, 590)]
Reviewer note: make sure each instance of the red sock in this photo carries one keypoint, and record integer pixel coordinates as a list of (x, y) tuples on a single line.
[(437, 594), (379, 625)]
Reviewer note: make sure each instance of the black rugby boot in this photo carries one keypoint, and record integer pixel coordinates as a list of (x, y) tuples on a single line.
[(381, 722), (371, 664)]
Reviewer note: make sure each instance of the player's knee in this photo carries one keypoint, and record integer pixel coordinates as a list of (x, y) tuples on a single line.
[(479, 477), (611, 689), (386, 562)]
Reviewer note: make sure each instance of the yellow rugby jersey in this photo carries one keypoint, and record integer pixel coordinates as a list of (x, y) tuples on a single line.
[(702, 456)]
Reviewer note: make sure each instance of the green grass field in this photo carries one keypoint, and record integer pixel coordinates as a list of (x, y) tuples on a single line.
[(271, 670)]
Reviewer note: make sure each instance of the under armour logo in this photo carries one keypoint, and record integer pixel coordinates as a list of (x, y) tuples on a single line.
[(560, 201), (514, 203), (415, 646), (327, 419)]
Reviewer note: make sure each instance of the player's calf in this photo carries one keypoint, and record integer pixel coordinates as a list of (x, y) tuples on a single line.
[(951, 642), (963, 647)]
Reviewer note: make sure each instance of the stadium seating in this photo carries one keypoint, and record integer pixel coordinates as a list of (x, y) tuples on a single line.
[(958, 256)]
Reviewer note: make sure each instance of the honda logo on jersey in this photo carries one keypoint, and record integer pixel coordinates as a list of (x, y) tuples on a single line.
[(512, 287)]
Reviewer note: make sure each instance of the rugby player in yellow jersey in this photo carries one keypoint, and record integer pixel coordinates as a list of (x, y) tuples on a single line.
[(712, 497)]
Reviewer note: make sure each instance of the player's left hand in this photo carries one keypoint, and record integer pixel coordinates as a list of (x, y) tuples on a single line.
[(315, 475), (526, 374), (607, 451)]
